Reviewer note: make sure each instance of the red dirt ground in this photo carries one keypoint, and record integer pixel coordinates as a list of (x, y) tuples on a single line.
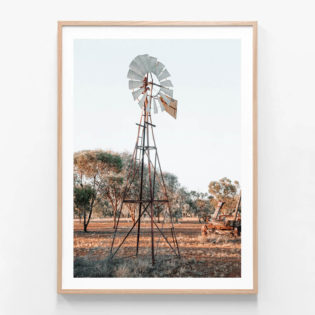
[(217, 255)]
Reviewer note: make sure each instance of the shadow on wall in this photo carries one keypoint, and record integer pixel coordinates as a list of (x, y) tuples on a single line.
[(144, 301)]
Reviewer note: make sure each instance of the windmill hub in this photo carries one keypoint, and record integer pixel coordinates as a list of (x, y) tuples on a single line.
[(154, 85)]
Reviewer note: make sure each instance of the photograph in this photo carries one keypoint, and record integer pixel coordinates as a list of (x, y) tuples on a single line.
[(158, 164)]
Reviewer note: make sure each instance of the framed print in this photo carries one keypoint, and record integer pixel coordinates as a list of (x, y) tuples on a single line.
[(157, 157)]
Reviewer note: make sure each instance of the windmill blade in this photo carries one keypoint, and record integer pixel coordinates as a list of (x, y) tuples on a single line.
[(166, 91), (141, 102), (149, 104), (134, 66), (166, 83), (139, 62), (152, 62), (158, 68), (134, 76), (137, 93), (161, 105), (155, 107), (135, 84), (145, 62), (165, 74)]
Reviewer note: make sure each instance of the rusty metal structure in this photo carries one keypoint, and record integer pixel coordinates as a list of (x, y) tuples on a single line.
[(145, 185), (217, 210), (225, 222)]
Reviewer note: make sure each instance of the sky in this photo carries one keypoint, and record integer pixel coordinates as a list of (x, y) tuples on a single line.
[(204, 142)]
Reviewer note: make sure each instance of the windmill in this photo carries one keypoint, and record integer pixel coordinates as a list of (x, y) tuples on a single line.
[(145, 186)]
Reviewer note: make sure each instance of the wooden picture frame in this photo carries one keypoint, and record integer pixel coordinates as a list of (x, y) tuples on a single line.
[(62, 25)]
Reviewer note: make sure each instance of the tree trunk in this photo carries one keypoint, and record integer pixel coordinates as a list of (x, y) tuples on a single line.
[(132, 211), (114, 219), (133, 216), (89, 218), (90, 214), (84, 220), (114, 211)]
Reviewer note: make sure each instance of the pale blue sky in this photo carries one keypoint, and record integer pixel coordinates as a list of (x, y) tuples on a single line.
[(204, 143)]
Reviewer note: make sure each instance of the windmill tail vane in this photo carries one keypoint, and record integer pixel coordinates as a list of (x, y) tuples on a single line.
[(145, 184)]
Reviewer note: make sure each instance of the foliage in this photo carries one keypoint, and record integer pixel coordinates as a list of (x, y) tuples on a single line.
[(200, 205), (112, 161), (97, 170), (99, 187), (81, 198), (225, 190), (83, 195)]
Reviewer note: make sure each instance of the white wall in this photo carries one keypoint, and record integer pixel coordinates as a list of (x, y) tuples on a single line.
[(28, 129)]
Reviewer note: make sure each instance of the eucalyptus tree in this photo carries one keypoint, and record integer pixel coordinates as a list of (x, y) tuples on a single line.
[(225, 190), (93, 172)]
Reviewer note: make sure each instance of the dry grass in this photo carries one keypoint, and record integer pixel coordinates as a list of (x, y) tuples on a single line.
[(216, 255)]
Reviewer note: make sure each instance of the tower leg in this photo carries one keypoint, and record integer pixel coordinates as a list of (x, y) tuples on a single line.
[(141, 178), (151, 197)]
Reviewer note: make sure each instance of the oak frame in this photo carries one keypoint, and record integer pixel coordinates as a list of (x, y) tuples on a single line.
[(60, 290)]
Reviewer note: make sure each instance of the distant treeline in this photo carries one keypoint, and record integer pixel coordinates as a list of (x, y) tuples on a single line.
[(100, 179)]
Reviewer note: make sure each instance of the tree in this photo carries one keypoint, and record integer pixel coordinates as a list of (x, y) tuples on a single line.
[(132, 210), (180, 203), (113, 187), (183, 201), (82, 201), (94, 169), (172, 185), (103, 209), (200, 205), (225, 190)]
